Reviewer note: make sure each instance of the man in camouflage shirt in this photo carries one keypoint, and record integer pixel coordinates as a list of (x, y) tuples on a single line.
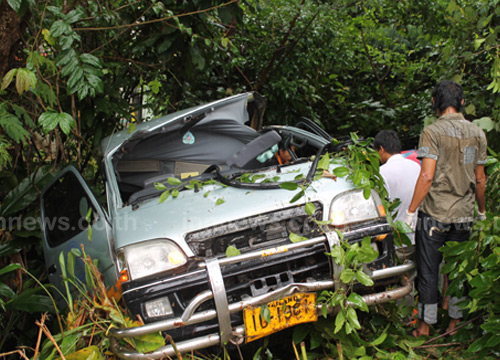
[(452, 178)]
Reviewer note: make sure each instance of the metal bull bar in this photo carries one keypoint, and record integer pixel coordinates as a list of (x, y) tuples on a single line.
[(223, 309)]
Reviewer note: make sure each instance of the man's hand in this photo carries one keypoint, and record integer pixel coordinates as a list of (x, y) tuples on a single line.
[(410, 219), (480, 216)]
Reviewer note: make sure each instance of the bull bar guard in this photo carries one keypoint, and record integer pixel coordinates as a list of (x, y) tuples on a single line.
[(223, 309)]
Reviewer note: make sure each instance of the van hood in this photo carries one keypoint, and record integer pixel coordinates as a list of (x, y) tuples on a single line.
[(232, 108)]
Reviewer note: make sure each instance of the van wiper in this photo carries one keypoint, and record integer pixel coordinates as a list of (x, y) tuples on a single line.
[(151, 191), (231, 179)]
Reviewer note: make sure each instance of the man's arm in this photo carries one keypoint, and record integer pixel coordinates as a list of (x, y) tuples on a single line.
[(424, 183), (480, 188)]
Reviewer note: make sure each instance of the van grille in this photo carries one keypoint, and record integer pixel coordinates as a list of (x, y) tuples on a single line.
[(261, 231)]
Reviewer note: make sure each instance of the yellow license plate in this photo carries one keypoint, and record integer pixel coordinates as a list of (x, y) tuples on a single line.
[(290, 311)]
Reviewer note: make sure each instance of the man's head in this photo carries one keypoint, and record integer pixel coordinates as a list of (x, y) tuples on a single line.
[(447, 94), (387, 143), (284, 156)]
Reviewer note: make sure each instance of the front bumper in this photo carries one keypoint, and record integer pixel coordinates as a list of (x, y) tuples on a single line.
[(213, 307)]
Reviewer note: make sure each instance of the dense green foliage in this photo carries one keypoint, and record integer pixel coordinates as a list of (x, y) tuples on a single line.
[(81, 69)]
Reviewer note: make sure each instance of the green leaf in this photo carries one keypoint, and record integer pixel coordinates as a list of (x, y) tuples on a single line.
[(225, 42), (289, 185), (69, 343), (155, 86), (30, 303), (165, 45), (95, 82), (324, 310), (92, 60), (175, 193), (341, 171), (74, 81), (300, 333), (367, 254), (6, 291), (164, 196), (339, 321), (13, 127), (59, 28), (403, 227), (347, 275), (367, 191), (460, 248), (24, 80), (70, 67), (310, 209), (25, 193), (66, 122), (232, 251), (67, 57), (490, 261), (51, 119), (265, 313), (478, 43), (358, 301), (74, 15), (479, 344), (324, 162), (352, 317), (485, 123), (131, 128), (379, 340), (84, 90), (160, 186), (174, 181), (9, 268), (48, 120), (296, 238), (493, 341), (197, 58), (89, 353), (66, 42), (220, 201), (15, 5), (70, 267), (7, 79), (363, 278), (297, 196), (150, 342)]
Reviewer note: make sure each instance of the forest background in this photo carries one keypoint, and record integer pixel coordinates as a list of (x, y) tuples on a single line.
[(75, 71)]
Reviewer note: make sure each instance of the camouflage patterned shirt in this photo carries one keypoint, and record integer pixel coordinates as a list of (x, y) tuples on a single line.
[(458, 146)]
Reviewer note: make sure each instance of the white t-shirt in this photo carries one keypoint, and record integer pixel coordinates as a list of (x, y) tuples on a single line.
[(400, 176)]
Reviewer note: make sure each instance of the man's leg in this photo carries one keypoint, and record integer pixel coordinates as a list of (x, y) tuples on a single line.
[(459, 233), (430, 236)]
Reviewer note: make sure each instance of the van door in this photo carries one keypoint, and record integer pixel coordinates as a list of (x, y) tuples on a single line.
[(66, 206)]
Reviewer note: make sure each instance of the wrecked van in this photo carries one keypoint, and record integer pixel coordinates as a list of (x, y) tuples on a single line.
[(195, 226)]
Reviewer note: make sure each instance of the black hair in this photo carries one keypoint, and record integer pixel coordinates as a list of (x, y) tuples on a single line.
[(447, 93), (389, 140)]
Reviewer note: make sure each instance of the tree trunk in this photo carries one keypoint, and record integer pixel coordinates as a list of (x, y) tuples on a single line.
[(10, 34)]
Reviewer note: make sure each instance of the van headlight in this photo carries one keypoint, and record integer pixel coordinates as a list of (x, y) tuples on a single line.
[(352, 207), (151, 257)]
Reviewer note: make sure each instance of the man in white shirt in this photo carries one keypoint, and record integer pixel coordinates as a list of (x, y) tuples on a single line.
[(400, 174)]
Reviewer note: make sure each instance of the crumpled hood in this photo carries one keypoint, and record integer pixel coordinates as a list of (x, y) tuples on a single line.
[(233, 108)]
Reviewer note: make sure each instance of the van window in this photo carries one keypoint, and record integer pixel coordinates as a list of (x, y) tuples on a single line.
[(65, 206)]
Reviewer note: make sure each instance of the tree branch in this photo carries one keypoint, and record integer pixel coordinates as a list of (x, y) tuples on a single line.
[(372, 64), (280, 48), (155, 20)]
